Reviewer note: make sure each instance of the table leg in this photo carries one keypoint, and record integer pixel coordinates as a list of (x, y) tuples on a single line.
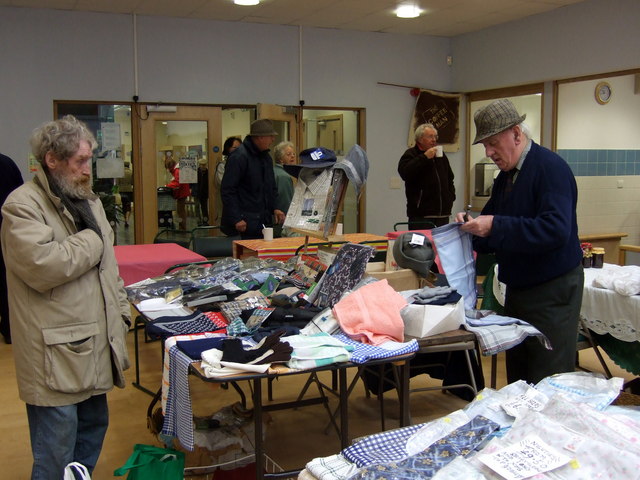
[(136, 347), (344, 415), (405, 415), (257, 419)]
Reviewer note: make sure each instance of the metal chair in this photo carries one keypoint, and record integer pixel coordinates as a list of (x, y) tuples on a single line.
[(171, 235), (447, 342), (423, 224), (586, 340), (208, 241)]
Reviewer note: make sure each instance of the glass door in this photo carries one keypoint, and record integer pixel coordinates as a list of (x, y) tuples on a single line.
[(113, 163), (338, 130), (181, 146)]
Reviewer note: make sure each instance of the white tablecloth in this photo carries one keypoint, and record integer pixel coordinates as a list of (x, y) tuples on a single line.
[(606, 311)]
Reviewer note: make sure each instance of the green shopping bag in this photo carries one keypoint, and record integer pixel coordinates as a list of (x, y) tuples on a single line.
[(153, 463)]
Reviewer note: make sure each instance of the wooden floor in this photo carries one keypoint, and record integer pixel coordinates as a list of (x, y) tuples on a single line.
[(292, 437)]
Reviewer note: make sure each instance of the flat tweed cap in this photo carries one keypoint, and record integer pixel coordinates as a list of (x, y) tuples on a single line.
[(495, 118), (262, 128)]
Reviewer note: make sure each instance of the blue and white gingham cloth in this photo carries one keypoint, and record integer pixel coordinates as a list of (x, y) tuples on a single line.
[(178, 418), (382, 447), (363, 352)]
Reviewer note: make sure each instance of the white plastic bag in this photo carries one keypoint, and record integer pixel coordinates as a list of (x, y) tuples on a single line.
[(79, 468)]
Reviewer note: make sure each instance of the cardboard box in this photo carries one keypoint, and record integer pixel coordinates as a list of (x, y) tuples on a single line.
[(399, 280), (424, 320)]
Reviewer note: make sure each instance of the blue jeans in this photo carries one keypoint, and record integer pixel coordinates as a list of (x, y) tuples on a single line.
[(71, 433)]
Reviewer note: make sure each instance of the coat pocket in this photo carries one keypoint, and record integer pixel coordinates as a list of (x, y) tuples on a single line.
[(68, 365)]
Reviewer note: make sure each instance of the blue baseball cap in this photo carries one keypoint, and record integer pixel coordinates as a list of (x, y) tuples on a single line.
[(316, 157)]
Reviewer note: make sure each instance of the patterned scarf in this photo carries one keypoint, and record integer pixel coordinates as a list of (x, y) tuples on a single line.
[(78, 207)]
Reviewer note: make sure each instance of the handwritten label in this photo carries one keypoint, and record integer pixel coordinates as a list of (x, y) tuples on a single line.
[(524, 459), (530, 400)]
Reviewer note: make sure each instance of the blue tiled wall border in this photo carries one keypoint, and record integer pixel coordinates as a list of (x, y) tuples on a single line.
[(602, 163)]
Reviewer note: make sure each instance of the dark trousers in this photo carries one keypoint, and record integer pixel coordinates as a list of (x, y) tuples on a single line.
[(5, 328), (553, 308)]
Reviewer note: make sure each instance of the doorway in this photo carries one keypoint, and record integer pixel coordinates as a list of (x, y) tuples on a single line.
[(330, 133), (338, 130), (178, 143)]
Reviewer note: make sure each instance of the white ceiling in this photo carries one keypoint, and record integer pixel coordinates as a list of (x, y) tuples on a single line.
[(445, 18)]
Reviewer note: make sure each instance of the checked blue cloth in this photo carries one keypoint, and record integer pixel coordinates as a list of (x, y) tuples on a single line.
[(178, 418), (363, 352), (496, 333), (382, 447)]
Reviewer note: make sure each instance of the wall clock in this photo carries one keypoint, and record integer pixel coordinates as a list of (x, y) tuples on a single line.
[(603, 93)]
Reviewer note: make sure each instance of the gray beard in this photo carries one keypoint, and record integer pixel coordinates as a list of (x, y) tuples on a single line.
[(73, 189)]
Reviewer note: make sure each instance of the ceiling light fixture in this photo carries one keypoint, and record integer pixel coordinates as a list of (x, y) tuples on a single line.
[(246, 2), (408, 11)]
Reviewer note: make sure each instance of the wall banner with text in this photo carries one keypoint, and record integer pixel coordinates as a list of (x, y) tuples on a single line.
[(443, 111)]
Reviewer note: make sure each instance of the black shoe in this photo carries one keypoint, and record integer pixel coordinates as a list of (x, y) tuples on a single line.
[(7, 339)]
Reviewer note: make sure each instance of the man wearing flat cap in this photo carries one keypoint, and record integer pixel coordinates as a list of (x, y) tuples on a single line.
[(248, 189), (530, 223)]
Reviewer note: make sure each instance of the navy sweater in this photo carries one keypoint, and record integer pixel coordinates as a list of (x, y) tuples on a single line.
[(535, 230)]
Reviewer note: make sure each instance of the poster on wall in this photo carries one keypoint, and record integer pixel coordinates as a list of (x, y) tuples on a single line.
[(188, 169), (111, 139), (442, 110), (110, 165)]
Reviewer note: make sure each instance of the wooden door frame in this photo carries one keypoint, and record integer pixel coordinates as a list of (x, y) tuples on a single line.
[(331, 118), (146, 199)]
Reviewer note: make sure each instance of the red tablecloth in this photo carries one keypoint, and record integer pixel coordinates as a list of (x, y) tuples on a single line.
[(138, 262)]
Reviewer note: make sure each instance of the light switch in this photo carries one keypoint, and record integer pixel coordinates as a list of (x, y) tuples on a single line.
[(395, 183), (620, 183)]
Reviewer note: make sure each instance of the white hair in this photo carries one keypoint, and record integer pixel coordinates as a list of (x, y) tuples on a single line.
[(421, 128)]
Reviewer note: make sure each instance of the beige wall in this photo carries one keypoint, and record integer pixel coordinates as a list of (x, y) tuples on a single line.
[(606, 202)]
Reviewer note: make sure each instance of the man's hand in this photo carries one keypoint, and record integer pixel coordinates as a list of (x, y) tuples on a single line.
[(462, 217), (481, 226), (279, 216), (241, 226), (431, 152)]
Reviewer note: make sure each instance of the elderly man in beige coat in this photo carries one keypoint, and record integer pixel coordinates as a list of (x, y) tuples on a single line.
[(69, 311)]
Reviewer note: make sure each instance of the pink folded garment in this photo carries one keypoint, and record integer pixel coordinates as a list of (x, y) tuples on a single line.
[(371, 314)]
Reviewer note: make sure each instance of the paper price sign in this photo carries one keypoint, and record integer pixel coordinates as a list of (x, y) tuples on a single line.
[(532, 399), (524, 459), (417, 239)]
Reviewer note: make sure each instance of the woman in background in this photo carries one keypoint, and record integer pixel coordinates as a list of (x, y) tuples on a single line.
[(284, 154), (230, 144)]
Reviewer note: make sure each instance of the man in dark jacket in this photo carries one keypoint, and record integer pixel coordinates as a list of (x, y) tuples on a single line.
[(10, 180), (248, 188), (530, 223), (428, 180)]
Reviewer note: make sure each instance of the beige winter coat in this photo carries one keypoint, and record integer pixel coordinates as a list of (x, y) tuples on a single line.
[(69, 311)]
